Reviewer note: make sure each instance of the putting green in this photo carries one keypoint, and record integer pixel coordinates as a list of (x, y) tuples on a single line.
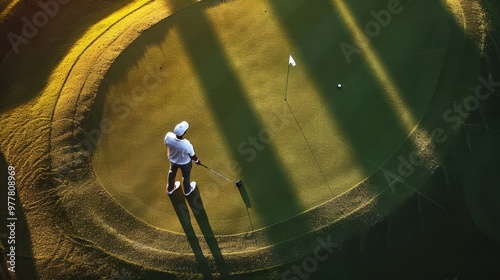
[(224, 68)]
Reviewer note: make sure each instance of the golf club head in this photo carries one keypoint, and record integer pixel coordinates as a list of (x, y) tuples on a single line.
[(239, 183)]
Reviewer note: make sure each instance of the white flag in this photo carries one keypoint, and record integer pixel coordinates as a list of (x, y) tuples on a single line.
[(291, 61)]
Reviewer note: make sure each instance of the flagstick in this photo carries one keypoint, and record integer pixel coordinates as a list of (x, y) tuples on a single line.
[(287, 75)]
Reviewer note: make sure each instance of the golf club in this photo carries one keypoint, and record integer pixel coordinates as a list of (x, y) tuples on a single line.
[(238, 183)]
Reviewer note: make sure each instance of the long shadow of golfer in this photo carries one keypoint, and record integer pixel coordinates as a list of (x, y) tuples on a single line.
[(199, 213), (182, 211)]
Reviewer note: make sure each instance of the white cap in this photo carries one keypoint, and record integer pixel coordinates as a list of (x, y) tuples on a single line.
[(181, 128)]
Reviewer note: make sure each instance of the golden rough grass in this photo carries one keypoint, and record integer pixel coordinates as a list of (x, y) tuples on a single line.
[(472, 19)]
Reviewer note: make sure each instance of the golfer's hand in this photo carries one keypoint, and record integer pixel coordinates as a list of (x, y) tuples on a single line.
[(196, 159)]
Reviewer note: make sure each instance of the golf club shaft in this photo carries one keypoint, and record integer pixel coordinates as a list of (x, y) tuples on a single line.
[(218, 173)]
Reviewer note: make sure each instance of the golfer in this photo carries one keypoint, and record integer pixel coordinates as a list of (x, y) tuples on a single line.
[(180, 154)]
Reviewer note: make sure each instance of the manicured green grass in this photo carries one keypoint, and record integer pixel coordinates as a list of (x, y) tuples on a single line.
[(223, 69)]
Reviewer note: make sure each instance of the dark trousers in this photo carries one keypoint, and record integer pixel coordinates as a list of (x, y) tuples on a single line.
[(186, 175)]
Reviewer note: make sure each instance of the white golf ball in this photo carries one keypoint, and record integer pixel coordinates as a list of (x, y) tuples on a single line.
[(339, 85)]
